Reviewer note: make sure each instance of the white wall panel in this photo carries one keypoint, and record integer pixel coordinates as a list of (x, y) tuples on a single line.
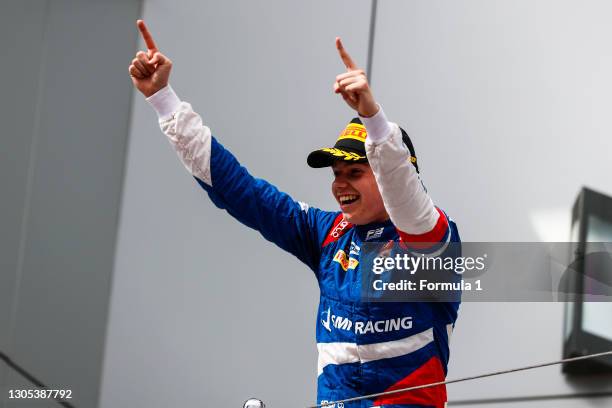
[(508, 105)]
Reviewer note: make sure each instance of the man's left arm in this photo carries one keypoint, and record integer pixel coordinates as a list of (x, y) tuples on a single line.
[(409, 206), (406, 200)]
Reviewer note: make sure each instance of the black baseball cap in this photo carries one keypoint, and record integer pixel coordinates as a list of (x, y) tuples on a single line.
[(350, 147)]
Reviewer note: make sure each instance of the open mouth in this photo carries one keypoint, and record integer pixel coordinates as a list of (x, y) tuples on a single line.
[(347, 199)]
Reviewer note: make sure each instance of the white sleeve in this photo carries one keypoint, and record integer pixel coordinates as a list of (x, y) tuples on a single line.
[(408, 204), (185, 131)]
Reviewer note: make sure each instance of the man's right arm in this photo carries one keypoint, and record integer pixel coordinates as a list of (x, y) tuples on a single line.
[(185, 131), (291, 225)]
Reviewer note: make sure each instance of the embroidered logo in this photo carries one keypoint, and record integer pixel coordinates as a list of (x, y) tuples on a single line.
[(375, 233), (346, 264)]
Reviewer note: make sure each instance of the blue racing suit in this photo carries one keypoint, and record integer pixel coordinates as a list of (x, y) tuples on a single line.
[(364, 347)]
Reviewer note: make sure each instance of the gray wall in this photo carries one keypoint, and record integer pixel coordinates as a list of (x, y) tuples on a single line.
[(509, 106), (200, 314), (65, 109), (507, 103)]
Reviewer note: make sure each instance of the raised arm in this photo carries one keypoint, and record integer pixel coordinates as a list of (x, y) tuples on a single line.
[(291, 225), (409, 206)]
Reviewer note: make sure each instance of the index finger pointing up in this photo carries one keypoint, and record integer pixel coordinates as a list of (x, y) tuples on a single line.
[(146, 35), (346, 58)]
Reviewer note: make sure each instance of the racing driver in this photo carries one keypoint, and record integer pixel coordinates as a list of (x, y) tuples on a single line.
[(364, 347)]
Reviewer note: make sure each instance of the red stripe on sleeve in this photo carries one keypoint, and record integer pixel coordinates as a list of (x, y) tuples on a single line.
[(436, 234)]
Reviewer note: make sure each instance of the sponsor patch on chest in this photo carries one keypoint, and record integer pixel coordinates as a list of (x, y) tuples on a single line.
[(345, 262), (374, 233), (331, 321)]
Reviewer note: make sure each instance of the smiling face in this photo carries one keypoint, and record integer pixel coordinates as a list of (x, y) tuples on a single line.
[(355, 189)]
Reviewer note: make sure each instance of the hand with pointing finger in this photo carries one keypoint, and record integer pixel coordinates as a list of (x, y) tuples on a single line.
[(149, 71), (353, 85)]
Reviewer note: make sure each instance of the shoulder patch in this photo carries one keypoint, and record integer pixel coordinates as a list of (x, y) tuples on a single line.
[(339, 228)]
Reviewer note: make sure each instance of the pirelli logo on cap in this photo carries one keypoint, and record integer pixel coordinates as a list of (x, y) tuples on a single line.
[(354, 131)]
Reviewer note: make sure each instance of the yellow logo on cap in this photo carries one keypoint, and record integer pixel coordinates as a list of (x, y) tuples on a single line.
[(354, 131), (342, 153)]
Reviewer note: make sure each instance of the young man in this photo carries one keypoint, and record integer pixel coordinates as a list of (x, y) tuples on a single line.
[(364, 347)]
